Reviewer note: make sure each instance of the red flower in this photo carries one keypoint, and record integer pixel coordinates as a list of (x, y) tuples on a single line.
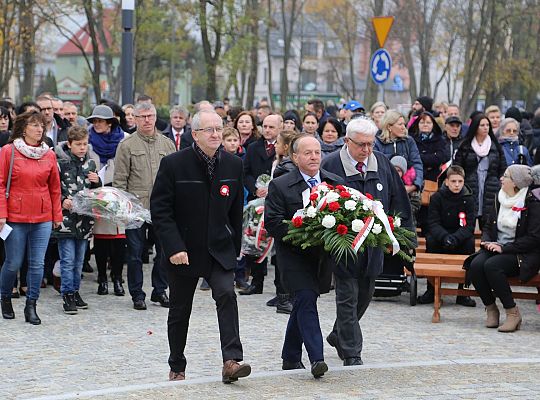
[(369, 196), (329, 186), (333, 206), (224, 190), (313, 196), (391, 222), (297, 222), (341, 188), (342, 229), (345, 195)]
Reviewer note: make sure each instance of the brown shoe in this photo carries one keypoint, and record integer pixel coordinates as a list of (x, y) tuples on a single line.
[(177, 376), (232, 370)]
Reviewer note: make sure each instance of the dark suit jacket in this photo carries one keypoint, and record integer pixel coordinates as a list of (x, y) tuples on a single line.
[(300, 269), (190, 213), (183, 142), (256, 163)]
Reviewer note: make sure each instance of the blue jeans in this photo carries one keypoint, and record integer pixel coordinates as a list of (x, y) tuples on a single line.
[(135, 245), (29, 239), (71, 262)]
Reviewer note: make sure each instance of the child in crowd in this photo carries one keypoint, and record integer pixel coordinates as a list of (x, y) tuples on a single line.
[(451, 220), (231, 142), (283, 163), (77, 172), (408, 176)]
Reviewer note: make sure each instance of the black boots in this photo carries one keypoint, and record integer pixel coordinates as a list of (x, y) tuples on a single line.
[(79, 302), (69, 304), (118, 288), (284, 305), (7, 309), (30, 314), (103, 288)]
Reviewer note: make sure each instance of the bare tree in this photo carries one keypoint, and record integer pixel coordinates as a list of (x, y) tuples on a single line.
[(9, 42)]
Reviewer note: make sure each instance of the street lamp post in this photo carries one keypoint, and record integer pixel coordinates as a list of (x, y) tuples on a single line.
[(128, 7)]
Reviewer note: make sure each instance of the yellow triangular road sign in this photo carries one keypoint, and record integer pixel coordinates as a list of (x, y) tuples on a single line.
[(382, 26)]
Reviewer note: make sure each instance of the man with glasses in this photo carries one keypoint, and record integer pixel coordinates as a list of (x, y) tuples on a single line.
[(136, 164), (55, 127), (369, 172), (196, 206)]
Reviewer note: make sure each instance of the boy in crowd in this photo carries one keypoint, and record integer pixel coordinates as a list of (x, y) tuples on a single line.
[(77, 172), (231, 142), (451, 220)]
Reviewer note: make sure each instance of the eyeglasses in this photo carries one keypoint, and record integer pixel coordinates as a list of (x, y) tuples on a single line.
[(366, 145), (210, 130), (149, 116)]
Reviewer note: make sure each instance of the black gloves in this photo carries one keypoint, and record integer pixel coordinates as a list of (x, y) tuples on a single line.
[(450, 242)]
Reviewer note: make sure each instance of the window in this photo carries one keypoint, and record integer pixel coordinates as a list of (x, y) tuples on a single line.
[(308, 79), (309, 49), (330, 81)]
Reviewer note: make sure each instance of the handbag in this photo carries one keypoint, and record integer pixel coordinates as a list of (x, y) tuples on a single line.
[(430, 187), (8, 186)]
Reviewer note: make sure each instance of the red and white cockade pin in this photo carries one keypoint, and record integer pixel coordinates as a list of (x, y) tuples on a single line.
[(462, 219), (224, 190)]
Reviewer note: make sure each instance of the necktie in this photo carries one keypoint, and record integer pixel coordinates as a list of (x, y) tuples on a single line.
[(269, 148), (177, 141), (312, 182), (361, 167)]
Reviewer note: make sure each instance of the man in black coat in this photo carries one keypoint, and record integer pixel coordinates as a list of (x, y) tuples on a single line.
[(196, 210), (258, 161), (303, 273), (369, 172), (178, 126)]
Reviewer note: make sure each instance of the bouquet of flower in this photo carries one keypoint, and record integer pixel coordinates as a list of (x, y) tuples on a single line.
[(263, 181), (345, 222), (255, 241), (112, 204)]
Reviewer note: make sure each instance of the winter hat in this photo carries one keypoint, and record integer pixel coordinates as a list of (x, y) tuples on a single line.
[(292, 116), (399, 162), (513, 112), (521, 175), (426, 101)]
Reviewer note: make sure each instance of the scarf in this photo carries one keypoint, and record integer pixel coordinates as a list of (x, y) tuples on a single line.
[(509, 214), (481, 150), (209, 161), (34, 152), (105, 144)]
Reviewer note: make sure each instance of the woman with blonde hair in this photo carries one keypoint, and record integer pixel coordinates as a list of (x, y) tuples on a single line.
[(377, 111)]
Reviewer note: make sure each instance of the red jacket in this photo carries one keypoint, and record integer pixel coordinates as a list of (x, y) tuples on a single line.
[(35, 188)]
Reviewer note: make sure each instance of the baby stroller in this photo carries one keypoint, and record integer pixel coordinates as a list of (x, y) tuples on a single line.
[(393, 280)]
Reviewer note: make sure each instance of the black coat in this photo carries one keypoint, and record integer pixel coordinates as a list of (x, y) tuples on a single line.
[(187, 131), (443, 214), (527, 239), (433, 154), (300, 269), (285, 166), (256, 163), (467, 158), (384, 184), (190, 213)]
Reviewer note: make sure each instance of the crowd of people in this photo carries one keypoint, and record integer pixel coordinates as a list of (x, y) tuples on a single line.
[(443, 175)]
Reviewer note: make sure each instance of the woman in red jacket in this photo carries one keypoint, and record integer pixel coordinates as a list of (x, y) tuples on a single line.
[(31, 207)]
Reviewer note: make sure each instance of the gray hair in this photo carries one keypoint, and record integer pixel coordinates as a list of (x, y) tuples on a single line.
[(179, 110), (200, 103), (505, 122), (196, 121), (361, 125), (143, 107)]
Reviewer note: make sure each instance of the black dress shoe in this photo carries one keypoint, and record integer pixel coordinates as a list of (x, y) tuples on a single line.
[(161, 299), (352, 361), (287, 365), (284, 305), (272, 302), (103, 288), (318, 368), (427, 298), (139, 305), (118, 288), (252, 289), (465, 301), (241, 285), (333, 341)]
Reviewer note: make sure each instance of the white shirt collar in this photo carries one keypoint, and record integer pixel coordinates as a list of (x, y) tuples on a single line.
[(307, 177), (354, 162)]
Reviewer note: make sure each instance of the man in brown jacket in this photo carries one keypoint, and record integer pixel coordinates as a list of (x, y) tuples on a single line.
[(136, 165)]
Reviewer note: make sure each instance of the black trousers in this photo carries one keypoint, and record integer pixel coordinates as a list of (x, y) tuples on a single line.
[(488, 273), (434, 246), (113, 249), (181, 291)]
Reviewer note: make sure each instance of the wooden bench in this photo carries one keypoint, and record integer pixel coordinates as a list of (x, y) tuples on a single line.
[(447, 268)]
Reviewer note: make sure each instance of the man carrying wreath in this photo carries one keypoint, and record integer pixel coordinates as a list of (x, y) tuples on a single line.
[(371, 173), (304, 273), (196, 210)]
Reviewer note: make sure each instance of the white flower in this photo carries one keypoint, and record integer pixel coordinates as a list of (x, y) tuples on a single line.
[(367, 204), (328, 221), (357, 225), (397, 222), (377, 228), (323, 188), (350, 205), (332, 196), (311, 212)]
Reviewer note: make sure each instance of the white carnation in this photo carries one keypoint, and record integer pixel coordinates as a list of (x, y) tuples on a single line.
[(357, 225), (311, 212), (397, 222), (377, 228), (350, 205), (328, 221), (323, 188), (367, 204), (332, 196)]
